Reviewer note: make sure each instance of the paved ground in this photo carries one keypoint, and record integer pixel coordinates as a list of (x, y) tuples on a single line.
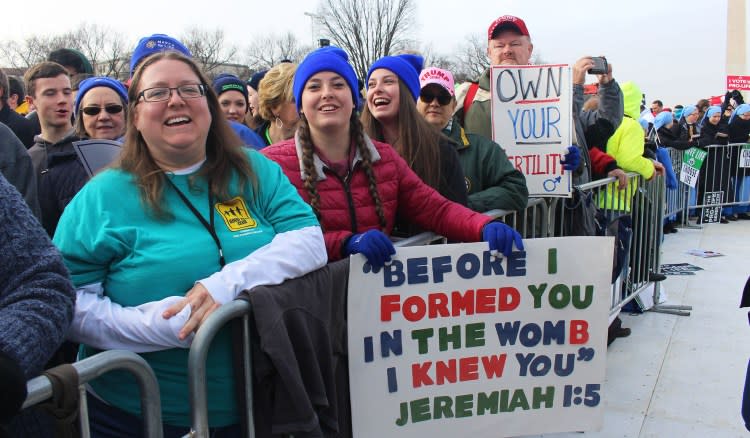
[(682, 376)]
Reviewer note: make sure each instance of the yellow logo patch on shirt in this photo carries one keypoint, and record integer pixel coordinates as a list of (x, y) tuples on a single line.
[(236, 215)]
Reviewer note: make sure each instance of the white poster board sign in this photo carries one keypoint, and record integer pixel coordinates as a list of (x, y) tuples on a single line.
[(531, 120), (448, 341)]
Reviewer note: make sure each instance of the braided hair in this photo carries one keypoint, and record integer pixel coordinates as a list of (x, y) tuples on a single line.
[(356, 132)]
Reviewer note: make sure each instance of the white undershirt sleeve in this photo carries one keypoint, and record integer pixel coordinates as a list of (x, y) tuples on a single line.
[(102, 324), (289, 255)]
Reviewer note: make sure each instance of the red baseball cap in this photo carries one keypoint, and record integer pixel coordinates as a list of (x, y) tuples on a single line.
[(508, 20)]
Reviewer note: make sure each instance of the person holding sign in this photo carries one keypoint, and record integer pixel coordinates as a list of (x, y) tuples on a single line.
[(358, 186), (100, 108), (181, 225), (491, 180), (509, 43)]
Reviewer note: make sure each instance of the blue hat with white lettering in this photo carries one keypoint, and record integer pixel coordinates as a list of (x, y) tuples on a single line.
[(157, 42)]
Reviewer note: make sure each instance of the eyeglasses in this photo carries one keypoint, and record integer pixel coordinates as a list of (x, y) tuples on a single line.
[(161, 94), (94, 110), (443, 99)]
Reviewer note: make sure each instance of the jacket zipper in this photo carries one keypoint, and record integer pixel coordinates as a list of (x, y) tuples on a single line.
[(349, 199)]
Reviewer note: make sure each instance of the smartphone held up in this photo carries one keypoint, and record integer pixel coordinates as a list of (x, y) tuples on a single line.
[(600, 66)]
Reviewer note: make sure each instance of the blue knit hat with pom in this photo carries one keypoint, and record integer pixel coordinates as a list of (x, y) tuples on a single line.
[(328, 58), (406, 67)]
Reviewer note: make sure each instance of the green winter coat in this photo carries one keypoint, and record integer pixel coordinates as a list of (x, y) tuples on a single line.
[(491, 180)]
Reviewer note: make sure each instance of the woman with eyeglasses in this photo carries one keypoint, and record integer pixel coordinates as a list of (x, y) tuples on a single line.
[(391, 116), (491, 180), (359, 186), (184, 222), (100, 109)]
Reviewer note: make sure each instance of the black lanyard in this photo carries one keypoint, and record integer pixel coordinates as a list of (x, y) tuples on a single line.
[(209, 227)]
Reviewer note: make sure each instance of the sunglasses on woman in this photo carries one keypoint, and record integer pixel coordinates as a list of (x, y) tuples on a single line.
[(94, 110), (443, 99)]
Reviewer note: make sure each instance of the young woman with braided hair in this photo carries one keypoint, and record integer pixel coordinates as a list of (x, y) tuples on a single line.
[(357, 186)]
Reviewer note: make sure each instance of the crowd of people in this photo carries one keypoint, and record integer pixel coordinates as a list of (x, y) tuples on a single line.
[(220, 181)]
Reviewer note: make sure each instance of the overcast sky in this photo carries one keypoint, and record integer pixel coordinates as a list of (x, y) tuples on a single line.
[(675, 50)]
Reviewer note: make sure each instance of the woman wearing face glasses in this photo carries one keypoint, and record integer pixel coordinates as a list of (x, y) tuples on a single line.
[(184, 222), (100, 109)]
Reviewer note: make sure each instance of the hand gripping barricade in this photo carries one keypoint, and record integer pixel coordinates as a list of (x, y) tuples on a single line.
[(42, 388)]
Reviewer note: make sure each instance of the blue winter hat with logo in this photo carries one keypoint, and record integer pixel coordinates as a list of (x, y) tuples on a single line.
[(328, 58), (406, 67), (157, 42), (664, 118), (88, 84)]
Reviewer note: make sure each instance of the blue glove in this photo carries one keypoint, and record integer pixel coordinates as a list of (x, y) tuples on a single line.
[(501, 237), (572, 158), (374, 245)]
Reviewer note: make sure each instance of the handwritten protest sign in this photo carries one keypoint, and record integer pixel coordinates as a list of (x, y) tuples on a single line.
[(448, 341), (745, 156), (692, 161), (531, 120)]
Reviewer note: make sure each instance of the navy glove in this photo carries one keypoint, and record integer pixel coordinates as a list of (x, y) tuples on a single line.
[(572, 158), (374, 245), (501, 237)]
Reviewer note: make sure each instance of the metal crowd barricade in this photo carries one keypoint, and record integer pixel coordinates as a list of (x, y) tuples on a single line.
[(677, 200), (40, 388), (197, 365), (724, 177), (530, 223)]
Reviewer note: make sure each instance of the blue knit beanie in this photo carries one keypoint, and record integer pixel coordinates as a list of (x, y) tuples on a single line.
[(664, 118), (228, 82), (99, 81), (329, 58), (255, 79), (406, 67), (157, 42)]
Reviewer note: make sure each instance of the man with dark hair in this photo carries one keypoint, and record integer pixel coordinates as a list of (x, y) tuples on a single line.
[(657, 106), (74, 61), (16, 92), (59, 173), (22, 128)]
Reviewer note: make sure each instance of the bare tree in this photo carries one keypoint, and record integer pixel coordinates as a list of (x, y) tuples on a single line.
[(472, 57), (367, 30), (103, 48), (267, 51), (208, 48)]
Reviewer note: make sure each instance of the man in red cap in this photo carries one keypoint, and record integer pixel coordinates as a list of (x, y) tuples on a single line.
[(509, 43)]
